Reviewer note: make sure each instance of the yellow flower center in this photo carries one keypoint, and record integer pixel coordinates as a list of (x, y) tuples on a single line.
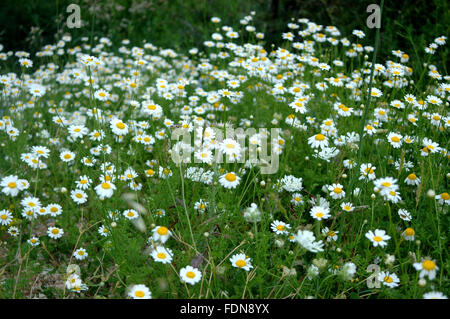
[(241, 263), (386, 184), (139, 294), (280, 227), (388, 279), (106, 186), (395, 139), (120, 125), (12, 185), (319, 215), (377, 238), (428, 265), (409, 232), (412, 176), (320, 137), (161, 255), (190, 274), (53, 209), (337, 190), (55, 231), (445, 196), (162, 231), (230, 177)]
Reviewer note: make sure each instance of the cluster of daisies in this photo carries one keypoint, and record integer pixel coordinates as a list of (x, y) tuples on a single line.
[(81, 133)]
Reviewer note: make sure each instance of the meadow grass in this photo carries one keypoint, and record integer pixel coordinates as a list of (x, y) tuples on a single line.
[(58, 104)]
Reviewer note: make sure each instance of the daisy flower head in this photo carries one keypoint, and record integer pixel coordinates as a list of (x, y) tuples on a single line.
[(162, 255), (27, 63), (378, 237), (140, 292), (67, 156), (386, 184), (118, 127), (376, 92), (101, 95), (392, 195), (79, 196), (40, 151), (297, 199), (30, 202), (395, 140), (280, 228), (412, 180), (201, 206), (319, 212), (190, 275), (161, 233), (83, 182), (55, 232), (13, 231), (427, 267), (33, 241), (348, 207), (408, 234), (330, 234), (80, 254), (360, 34), (229, 180), (130, 214), (230, 147), (443, 198), (160, 212), (105, 190), (104, 231), (404, 215), (5, 217), (54, 209), (388, 279), (318, 140), (336, 191), (241, 261), (10, 185)]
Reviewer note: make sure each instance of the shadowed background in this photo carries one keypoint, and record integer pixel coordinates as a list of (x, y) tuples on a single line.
[(183, 24)]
